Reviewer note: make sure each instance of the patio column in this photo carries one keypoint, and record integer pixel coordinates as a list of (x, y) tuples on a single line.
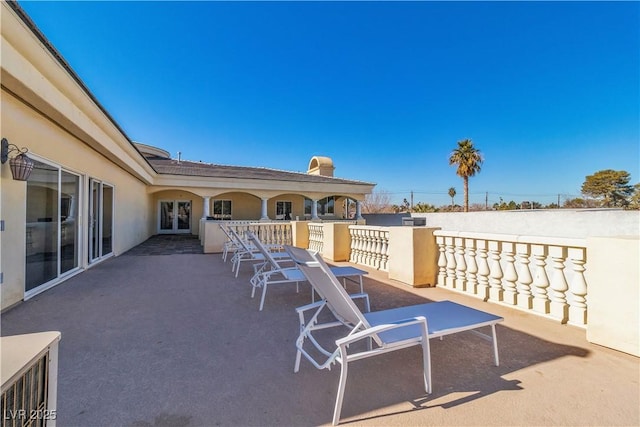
[(263, 215), (205, 207), (358, 210), (314, 209)]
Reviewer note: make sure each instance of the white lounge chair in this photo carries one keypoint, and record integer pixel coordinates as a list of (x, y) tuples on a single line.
[(276, 273), (248, 252), (230, 246), (390, 329)]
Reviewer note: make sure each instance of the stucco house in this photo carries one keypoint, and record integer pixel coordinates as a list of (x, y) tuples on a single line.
[(94, 193)]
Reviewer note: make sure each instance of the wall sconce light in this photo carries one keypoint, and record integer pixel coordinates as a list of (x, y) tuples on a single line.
[(21, 165)]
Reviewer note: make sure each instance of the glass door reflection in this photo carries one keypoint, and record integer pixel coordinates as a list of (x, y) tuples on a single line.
[(51, 229), (42, 225), (166, 216)]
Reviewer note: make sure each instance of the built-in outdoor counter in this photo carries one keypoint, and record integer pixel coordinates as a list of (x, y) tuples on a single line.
[(29, 373)]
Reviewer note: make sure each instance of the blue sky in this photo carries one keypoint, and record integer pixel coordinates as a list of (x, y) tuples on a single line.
[(548, 91)]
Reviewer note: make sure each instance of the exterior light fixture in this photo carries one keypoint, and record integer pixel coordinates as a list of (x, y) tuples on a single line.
[(21, 165)]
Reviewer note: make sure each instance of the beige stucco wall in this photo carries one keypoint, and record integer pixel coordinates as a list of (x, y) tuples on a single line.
[(614, 292), (46, 111), (46, 141), (213, 237), (300, 234), (418, 264), (337, 241), (12, 244)]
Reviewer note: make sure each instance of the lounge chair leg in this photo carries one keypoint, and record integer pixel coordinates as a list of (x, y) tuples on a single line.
[(426, 359), (299, 344), (495, 344), (257, 284), (296, 368), (264, 294), (339, 397)]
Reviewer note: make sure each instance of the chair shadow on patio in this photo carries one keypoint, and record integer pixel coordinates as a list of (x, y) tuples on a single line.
[(462, 367), (145, 336)]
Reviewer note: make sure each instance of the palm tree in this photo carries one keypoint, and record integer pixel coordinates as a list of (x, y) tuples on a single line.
[(452, 194), (469, 160)]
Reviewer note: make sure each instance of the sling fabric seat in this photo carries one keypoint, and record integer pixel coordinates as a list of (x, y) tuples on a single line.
[(389, 330)]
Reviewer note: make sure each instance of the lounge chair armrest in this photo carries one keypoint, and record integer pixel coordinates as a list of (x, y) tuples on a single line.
[(265, 274), (359, 296), (268, 273), (311, 306), (370, 332)]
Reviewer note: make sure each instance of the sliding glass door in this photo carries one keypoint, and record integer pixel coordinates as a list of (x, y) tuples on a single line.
[(69, 227), (100, 220), (51, 225)]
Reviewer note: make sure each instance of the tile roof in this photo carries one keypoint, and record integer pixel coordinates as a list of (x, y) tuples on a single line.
[(188, 168)]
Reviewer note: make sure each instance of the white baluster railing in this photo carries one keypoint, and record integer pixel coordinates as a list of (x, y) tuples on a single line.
[(515, 271), (316, 236), (269, 233), (370, 246)]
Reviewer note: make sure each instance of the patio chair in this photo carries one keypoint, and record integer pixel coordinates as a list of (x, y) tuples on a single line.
[(275, 273), (248, 252), (390, 330), (230, 245)]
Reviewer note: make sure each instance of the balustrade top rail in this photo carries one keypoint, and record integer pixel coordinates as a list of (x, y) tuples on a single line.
[(370, 227), (511, 238)]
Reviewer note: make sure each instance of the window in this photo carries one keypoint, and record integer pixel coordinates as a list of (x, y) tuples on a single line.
[(283, 210), (326, 206), (222, 209)]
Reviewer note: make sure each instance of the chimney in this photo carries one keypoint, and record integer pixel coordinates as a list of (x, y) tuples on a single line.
[(321, 166)]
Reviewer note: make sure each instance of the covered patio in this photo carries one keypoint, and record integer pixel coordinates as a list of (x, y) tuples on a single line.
[(176, 340)]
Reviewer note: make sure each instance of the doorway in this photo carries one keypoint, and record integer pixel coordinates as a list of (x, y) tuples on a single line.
[(100, 220), (174, 216)]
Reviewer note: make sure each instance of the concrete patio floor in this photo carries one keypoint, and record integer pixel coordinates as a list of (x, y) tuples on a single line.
[(176, 340)]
